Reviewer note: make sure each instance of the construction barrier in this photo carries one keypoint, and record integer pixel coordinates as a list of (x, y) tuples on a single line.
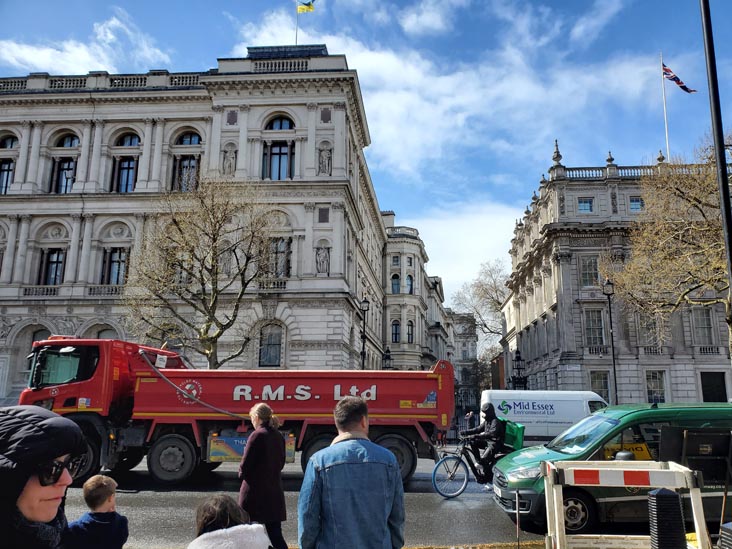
[(642, 474)]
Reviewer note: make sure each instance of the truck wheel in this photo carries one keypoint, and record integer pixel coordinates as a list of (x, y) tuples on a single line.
[(90, 465), (128, 460), (172, 459), (580, 512), (318, 443), (404, 452)]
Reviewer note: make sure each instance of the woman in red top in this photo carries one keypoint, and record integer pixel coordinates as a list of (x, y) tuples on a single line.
[(261, 493)]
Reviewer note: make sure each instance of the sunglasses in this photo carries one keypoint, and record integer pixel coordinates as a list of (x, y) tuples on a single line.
[(50, 472)]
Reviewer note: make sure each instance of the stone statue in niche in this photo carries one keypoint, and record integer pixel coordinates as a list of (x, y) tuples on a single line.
[(325, 162), (614, 201), (561, 203), (322, 259), (229, 161)]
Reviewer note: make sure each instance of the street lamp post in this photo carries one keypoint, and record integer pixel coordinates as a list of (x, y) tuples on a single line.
[(364, 306), (518, 379), (608, 288)]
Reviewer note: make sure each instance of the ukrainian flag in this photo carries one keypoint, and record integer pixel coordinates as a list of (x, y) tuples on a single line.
[(304, 7)]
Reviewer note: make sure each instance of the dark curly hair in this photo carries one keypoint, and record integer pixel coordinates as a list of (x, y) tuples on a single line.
[(219, 512)]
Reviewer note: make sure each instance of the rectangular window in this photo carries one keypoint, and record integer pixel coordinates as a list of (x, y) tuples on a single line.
[(410, 332), (703, 333), (409, 261), (7, 169), (279, 257), (594, 333), (465, 354), (636, 204), (585, 205), (114, 266), (125, 174), (648, 330), (185, 173), (589, 273), (64, 171), (600, 384), (52, 267), (655, 386), (396, 331), (395, 260), (323, 215)]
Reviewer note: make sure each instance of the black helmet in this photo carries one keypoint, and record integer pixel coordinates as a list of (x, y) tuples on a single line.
[(485, 407)]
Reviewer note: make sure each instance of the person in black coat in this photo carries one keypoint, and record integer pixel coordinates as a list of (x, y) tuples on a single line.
[(487, 439), (39, 452), (261, 494)]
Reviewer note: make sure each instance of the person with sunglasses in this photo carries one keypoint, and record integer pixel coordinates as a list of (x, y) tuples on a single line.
[(39, 454)]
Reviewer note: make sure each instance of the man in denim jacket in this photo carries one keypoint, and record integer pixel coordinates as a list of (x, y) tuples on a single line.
[(352, 494)]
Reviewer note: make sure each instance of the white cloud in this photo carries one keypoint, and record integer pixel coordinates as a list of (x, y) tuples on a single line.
[(430, 16), (589, 26), (466, 235), (116, 44)]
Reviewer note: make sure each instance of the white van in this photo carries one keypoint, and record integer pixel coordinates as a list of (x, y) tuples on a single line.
[(544, 414)]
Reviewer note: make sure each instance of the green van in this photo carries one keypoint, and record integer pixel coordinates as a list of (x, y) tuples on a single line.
[(600, 436)]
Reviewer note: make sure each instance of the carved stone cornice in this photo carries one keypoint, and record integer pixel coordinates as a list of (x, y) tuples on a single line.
[(244, 108), (312, 106)]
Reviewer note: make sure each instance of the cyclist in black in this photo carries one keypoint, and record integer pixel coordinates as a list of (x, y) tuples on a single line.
[(487, 439)]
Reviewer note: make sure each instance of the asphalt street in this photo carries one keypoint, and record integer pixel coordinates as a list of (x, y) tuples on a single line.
[(164, 518)]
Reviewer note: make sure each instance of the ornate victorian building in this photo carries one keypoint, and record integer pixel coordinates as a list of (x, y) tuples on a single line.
[(85, 159), (570, 333)]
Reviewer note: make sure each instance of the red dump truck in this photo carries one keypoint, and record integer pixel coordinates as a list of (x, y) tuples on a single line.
[(134, 401)]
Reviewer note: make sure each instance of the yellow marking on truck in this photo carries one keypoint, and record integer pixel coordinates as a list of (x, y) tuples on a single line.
[(149, 380), (66, 410), (285, 415)]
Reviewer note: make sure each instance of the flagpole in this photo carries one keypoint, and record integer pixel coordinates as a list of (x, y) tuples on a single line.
[(665, 118), (297, 21)]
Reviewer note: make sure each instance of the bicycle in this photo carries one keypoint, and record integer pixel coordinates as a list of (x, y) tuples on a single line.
[(450, 476)]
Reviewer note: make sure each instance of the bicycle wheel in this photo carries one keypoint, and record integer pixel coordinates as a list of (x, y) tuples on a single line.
[(450, 476)]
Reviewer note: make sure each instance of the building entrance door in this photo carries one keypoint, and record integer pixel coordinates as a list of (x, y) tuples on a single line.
[(713, 387)]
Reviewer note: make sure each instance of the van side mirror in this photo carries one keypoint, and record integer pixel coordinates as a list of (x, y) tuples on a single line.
[(624, 455)]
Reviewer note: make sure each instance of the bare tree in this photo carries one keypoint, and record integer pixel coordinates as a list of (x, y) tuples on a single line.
[(484, 297), (678, 254), (200, 253)]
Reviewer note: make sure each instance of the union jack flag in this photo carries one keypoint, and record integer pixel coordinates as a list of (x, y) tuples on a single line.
[(669, 74)]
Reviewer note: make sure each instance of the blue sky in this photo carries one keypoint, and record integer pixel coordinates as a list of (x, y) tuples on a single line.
[(464, 98)]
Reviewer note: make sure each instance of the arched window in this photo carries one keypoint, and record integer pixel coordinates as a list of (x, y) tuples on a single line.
[(270, 346), (7, 162), (396, 331), (410, 284), (186, 162), (278, 156), (63, 171), (410, 331), (124, 171), (395, 284), (280, 123)]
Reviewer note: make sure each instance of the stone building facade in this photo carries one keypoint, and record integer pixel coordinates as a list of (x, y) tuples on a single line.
[(558, 317), (85, 159)]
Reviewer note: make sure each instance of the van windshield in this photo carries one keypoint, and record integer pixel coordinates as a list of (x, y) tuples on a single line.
[(581, 436)]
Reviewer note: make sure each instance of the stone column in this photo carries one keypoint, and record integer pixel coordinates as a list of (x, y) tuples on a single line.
[(81, 169), (337, 254), (7, 265), (214, 158), (307, 262), (310, 148), (156, 184), (298, 157), (92, 184), (339, 145), (244, 150), (86, 249), (565, 296), (31, 182), (71, 263), (22, 165), (19, 270), (143, 173)]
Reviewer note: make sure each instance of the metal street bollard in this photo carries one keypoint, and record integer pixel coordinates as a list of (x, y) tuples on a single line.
[(666, 519)]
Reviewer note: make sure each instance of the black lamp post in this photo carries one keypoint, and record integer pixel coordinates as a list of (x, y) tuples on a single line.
[(608, 288), (386, 360), (518, 379), (364, 306)]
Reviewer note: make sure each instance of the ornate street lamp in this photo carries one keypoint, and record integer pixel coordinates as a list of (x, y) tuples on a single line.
[(518, 379), (364, 306), (386, 360), (608, 288)]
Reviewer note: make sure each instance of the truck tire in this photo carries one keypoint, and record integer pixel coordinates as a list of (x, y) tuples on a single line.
[(90, 464), (128, 460), (172, 459), (580, 512), (318, 443), (403, 450)]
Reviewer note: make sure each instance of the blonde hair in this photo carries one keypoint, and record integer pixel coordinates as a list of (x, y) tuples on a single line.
[(266, 415), (98, 489)]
